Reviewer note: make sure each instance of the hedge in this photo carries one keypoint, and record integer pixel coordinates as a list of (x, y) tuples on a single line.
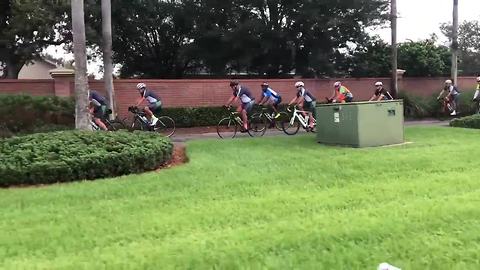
[(472, 121), (30, 114), (65, 156)]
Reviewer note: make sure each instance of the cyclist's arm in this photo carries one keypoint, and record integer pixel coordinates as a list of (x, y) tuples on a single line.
[(334, 96), (95, 103), (300, 100), (262, 100), (372, 98), (231, 100), (293, 101), (441, 94), (140, 101), (380, 97)]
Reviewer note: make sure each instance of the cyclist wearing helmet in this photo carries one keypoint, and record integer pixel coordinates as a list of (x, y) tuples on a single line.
[(305, 101), (380, 93), (270, 97), (477, 90), (98, 108), (246, 98), (341, 93), (154, 102), (452, 96)]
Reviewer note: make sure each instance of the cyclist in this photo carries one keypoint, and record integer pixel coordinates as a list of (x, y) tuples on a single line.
[(98, 108), (341, 94), (270, 97), (154, 102), (246, 98), (380, 93), (452, 96), (477, 90), (305, 101)]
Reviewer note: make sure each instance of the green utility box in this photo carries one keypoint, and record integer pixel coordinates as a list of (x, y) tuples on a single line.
[(361, 124)]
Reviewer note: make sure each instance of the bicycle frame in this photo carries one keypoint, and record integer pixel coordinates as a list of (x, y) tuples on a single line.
[(298, 114)]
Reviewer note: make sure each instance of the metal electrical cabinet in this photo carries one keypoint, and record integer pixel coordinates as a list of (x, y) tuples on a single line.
[(361, 124)]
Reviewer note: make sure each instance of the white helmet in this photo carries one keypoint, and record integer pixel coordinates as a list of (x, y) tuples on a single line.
[(299, 84), (448, 81), (378, 84), (141, 86), (337, 84), (478, 79)]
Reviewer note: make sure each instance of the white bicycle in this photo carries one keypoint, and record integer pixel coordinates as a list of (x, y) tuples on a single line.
[(292, 125)]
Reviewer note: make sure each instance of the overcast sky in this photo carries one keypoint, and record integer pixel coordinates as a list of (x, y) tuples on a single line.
[(419, 18)]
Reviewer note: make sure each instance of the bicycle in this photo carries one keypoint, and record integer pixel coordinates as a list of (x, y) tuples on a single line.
[(112, 125), (292, 125), (446, 105), (228, 126), (270, 118), (165, 125)]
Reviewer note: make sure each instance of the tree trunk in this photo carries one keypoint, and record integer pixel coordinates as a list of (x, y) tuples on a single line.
[(80, 52), (107, 53), (12, 68), (454, 72), (393, 18)]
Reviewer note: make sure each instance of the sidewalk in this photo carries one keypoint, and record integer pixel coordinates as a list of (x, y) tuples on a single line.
[(186, 134)]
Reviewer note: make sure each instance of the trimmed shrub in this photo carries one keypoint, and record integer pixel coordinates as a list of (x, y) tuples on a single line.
[(472, 121), (65, 156), (28, 114)]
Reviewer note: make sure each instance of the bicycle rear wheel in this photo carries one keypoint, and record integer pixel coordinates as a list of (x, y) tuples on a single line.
[(278, 121), (165, 126), (227, 128), (257, 125), (290, 129)]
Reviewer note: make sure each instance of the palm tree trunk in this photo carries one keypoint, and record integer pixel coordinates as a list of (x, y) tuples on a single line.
[(393, 18), (80, 52), (454, 73), (107, 53)]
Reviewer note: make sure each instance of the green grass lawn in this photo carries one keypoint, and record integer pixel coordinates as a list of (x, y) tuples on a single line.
[(263, 203)]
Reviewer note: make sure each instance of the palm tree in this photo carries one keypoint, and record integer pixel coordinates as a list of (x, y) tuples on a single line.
[(81, 80), (107, 52), (455, 42)]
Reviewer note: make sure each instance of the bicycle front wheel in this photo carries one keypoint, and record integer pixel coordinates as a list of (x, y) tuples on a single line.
[(138, 124), (278, 121), (165, 126), (257, 125), (290, 128), (116, 125), (227, 128)]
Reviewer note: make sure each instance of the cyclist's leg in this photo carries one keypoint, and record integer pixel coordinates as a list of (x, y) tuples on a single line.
[(246, 107), (98, 115)]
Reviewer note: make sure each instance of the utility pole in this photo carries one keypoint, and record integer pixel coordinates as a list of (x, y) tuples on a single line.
[(107, 53)]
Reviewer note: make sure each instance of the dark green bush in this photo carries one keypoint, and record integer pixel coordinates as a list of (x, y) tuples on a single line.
[(27, 114), (75, 155), (472, 121)]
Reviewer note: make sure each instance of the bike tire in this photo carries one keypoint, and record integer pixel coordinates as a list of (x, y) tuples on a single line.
[(290, 129), (137, 124), (278, 122), (165, 126), (257, 125), (116, 125), (227, 128)]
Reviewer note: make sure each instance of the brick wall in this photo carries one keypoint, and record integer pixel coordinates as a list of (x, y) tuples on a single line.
[(198, 93)]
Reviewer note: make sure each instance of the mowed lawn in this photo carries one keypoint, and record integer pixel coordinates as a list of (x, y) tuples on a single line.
[(263, 203)]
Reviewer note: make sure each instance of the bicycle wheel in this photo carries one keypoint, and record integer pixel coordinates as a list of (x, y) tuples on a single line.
[(227, 128), (278, 121), (138, 125), (290, 128), (116, 125), (165, 126), (257, 125)]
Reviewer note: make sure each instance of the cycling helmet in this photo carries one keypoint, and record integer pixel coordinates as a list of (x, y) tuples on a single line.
[(378, 84), (141, 86), (337, 84), (448, 81), (233, 83), (264, 84), (478, 79), (299, 84)]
